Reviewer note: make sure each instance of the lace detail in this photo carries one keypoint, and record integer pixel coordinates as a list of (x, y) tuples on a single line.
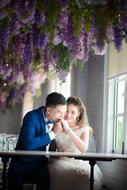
[(69, 173), (66, 141)]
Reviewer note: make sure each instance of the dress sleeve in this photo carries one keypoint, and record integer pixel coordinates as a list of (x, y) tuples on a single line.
[(85, 129)]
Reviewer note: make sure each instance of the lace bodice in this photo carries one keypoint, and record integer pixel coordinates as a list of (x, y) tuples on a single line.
[(66, 142), (70, 173)]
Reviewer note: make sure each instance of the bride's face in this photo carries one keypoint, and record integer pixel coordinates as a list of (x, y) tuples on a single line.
[(72, 113)]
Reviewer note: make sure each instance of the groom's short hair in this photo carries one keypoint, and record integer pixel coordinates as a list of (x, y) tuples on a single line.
[(54, 99)]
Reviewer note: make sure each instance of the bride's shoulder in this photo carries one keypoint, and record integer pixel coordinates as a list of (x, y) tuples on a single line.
[(85, 129)]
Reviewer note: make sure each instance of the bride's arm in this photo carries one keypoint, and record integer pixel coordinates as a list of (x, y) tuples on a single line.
[(80, 142)]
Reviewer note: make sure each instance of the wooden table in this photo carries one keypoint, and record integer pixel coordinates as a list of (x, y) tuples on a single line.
[(91, 157)]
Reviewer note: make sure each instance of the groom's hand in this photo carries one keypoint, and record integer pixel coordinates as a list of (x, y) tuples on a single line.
[(57, 129)]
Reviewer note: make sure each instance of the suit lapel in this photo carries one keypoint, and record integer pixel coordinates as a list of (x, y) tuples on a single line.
[(42, 119)]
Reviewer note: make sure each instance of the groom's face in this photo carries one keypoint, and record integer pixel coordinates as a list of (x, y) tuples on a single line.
[(56, 112)]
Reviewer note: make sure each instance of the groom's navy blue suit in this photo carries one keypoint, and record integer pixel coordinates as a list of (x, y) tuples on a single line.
[(32, 136)]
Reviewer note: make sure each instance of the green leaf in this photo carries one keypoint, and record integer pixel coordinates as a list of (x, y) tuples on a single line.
[(64, 62), (76, 17), (40, 5), (53, 11), (36, 60)]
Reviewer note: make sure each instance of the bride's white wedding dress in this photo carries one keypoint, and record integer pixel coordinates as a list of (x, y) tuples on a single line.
[(69, 173)]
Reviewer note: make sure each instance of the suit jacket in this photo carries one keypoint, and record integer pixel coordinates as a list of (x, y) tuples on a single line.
[(33, 135)]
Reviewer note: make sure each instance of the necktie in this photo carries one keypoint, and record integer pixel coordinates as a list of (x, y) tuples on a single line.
[(49, 122), (49, 125)]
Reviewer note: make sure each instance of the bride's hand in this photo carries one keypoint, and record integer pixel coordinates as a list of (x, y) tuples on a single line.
[(66, 126)]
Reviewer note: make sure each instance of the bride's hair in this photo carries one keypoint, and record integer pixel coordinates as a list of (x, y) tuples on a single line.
[(82, 120), (76, 101)]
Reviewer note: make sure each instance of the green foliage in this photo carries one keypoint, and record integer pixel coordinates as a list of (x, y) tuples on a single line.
[(53, 11), (87, 15), (101, 23), (36, 61), (76, 17), (40, 5), (81, 16), (64, 62)]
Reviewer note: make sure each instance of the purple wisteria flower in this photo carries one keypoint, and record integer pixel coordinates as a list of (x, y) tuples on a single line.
[(118, 37), (1, 53), (17, 49), (27, 56), (82, 46), (123, 20), (3, 14), (99, 2), (70, 38), (123, 6), (18, 78), (39, 18), (40, 40), (110, 33), (3, 3), (99, 51), (62, 75), (4, 33), (82, 3), (29, 43), (64, 2), (25, 11), (43, 40), (36, 79), (46, 57), (15, 25), (61, 29), (5, 71), (57, 38)]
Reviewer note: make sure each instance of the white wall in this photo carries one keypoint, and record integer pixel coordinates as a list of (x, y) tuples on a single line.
[(79, 82)]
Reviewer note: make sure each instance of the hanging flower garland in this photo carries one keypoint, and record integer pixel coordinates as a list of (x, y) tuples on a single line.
[(39, 37)]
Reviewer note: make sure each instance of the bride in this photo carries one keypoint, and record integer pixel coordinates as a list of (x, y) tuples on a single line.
[(69, 173)]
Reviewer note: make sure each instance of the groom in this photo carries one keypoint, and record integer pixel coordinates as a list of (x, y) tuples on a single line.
[(35, 135)]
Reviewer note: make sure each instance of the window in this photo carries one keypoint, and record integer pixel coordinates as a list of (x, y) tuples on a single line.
[(117, 112)]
